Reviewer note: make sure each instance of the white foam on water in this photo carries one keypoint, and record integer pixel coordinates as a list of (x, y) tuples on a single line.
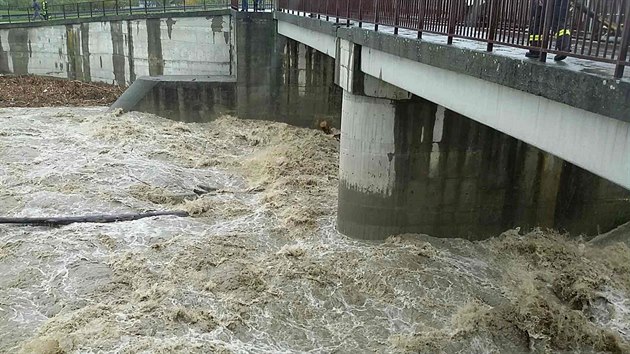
[(258, 268)]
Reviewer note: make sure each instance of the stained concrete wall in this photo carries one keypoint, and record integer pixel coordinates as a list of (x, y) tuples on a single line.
[(414, 166), (184, 98), (119, 51), (281, 79)]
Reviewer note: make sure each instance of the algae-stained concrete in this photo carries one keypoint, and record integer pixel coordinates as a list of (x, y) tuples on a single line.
[(414, 166), (181, 98), (281, 79), (118, 50)]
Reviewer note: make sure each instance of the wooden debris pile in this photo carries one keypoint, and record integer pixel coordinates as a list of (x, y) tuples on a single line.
[(38, 91)]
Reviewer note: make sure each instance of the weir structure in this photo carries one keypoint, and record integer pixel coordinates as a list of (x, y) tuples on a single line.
[(455, 134)]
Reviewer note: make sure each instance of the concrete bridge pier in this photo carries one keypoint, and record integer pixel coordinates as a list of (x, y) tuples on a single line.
[(410, 165)]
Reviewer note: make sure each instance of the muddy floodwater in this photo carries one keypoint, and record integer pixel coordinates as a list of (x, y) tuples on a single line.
[(259, 266)]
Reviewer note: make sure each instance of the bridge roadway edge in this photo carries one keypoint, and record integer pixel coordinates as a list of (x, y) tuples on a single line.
[(591, 92)]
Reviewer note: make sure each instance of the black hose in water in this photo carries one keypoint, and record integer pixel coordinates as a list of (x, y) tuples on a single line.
[(58, 221)]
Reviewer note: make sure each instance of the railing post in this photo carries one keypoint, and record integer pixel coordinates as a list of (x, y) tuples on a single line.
[(204, 5), (347, 13), (130, 10), (78, 12), (625, 42), (546, 27), (116, 4), (396, 15), (376, 15), (63, 9), (336, 11), (147, 11), (319, 9), (451, 21), (492, 30), (91, 9), (28, 13), (104, 14), (327, 17), (360, 13), (184, 5), (422, 4), (164, 6), (9, 13)]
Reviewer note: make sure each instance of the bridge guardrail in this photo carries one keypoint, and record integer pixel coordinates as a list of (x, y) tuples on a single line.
[(255, 5), (125, 7), (103, 8), (597, 30)]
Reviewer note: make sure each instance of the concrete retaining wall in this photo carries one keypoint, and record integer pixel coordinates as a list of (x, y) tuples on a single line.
[(119, 51), (281, 79), (272, 78)]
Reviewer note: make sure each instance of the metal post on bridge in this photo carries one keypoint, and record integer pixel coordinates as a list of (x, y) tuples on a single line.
[(28, 13), (546, 28), (78, 12), (396, 15), (91, 9), (625, 42), (360, 13), (116, 4), (104, 8), (451, 21), (9, 14), (130, 10), (319, 9), (376, 15), (422, 5), (492, 30), (63, 9)]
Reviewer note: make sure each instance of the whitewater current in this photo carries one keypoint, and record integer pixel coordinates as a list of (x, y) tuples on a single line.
[(258, 267)]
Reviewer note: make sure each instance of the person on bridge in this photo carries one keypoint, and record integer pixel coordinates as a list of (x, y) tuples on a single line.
[(559, 27), (244, 5), (36, 8), (45, 9)]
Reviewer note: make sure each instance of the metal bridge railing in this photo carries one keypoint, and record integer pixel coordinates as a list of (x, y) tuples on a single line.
[(596, 30), (252, 5), (107, 8), (125, 7)]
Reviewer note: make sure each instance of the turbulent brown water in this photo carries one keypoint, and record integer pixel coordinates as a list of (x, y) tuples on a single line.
[(259, 268)]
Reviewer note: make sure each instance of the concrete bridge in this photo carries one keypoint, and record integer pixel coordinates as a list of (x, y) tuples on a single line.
[(444, 139)]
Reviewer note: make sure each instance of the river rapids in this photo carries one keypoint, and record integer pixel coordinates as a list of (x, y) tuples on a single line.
[(259, 266)]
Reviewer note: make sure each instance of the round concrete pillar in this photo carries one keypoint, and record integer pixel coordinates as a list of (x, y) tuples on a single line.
[(413, 166), (368, 206)]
